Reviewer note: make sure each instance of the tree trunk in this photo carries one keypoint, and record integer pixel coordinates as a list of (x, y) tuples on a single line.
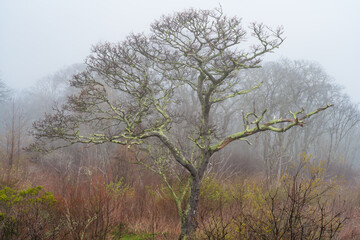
[(189, 220)]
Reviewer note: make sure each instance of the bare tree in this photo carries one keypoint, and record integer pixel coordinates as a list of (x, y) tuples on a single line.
[(299, 84), (49, 90), (131, 94), (4, 91)]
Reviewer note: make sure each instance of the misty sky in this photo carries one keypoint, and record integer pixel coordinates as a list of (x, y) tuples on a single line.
[(40, 37)]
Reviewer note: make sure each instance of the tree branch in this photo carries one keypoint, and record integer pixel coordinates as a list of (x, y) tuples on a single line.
[(268, 126)]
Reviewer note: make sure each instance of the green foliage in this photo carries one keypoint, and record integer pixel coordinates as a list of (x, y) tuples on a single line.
[(142, 236), (214, 193), (123, 233), (118, 188), (24, 212)]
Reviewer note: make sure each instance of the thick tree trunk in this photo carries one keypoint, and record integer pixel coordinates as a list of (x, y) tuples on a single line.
[(189, 220)]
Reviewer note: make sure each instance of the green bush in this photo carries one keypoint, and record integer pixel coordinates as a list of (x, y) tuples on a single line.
[(25, 214)]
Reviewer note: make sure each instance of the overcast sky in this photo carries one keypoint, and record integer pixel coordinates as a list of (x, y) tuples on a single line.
[(40, 37)]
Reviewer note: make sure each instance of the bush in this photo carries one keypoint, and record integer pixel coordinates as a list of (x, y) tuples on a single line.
[(25, 214), (92, 211), (303, 205)]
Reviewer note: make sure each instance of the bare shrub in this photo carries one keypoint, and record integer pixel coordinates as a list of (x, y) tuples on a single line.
[(303, 205)]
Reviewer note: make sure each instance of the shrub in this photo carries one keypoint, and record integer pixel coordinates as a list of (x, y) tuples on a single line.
[(25, 214), (304, 205)]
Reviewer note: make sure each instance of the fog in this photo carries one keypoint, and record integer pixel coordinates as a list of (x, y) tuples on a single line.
[(40, 37), (184, 132)]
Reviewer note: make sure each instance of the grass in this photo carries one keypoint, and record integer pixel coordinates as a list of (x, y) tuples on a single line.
[(142, 236)]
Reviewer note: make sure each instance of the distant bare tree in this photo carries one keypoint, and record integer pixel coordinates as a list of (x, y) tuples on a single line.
[(49, 90), (132, 93), (4, 91), (299, 84)]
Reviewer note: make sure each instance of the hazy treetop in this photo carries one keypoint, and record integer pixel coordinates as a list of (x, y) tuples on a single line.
[(40, 37)]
